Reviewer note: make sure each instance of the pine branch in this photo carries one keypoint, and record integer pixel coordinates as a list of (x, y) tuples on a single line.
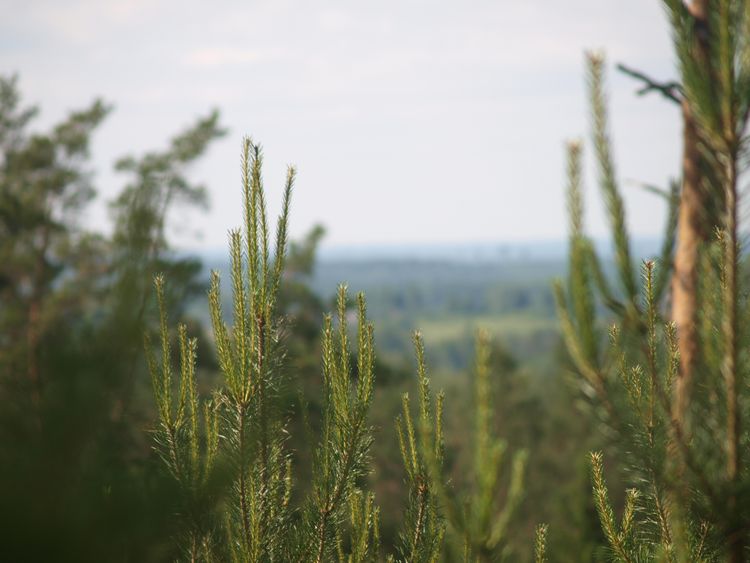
[(670, 90), (608, 181), (540, 544)]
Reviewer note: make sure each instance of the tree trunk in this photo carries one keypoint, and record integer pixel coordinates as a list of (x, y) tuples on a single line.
[(693, 229), (691, 233)]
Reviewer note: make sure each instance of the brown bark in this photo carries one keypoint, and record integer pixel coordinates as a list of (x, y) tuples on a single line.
[(692, 231), (693, 227)]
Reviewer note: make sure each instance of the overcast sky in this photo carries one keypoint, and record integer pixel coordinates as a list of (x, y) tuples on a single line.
[(409, 121)]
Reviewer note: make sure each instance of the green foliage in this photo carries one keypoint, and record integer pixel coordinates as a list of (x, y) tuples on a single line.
[(365, 530), (187, 437), (44, 186), (477, 516), (577, 304), (73, 303), (689, 502), (608, 180), (342, 455), (158, 182), (715, 83), (540, 544), (244, 429), (254, 520), (422, 450), (76, 476)]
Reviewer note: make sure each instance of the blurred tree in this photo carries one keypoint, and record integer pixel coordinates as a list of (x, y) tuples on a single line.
[(44, 186), (701, 198), (685, 451), (76, 478)]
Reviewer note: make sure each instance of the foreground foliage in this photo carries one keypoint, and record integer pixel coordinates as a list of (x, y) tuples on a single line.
[(229, 454), (680, 424), (76, 479)]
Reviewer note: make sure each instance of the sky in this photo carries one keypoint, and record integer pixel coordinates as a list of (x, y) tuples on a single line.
[(410, 122)]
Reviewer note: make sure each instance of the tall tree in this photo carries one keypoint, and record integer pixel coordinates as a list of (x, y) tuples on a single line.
[(44, 185), (75, 473), (700, 207), (691, 477), (696, 222)]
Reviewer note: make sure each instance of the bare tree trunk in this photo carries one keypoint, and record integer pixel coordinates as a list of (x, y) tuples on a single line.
[(692, 231), (695, 227), (690, 235)]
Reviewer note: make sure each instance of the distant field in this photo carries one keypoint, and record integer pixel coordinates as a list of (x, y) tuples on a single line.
[(511, 326), (448, 300)]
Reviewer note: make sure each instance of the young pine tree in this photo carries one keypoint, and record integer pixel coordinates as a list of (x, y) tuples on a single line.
[(685, 439), (472, 514), (229, 454)]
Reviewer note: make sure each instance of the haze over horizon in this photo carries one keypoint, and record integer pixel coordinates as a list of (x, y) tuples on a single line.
[(410, 122)]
